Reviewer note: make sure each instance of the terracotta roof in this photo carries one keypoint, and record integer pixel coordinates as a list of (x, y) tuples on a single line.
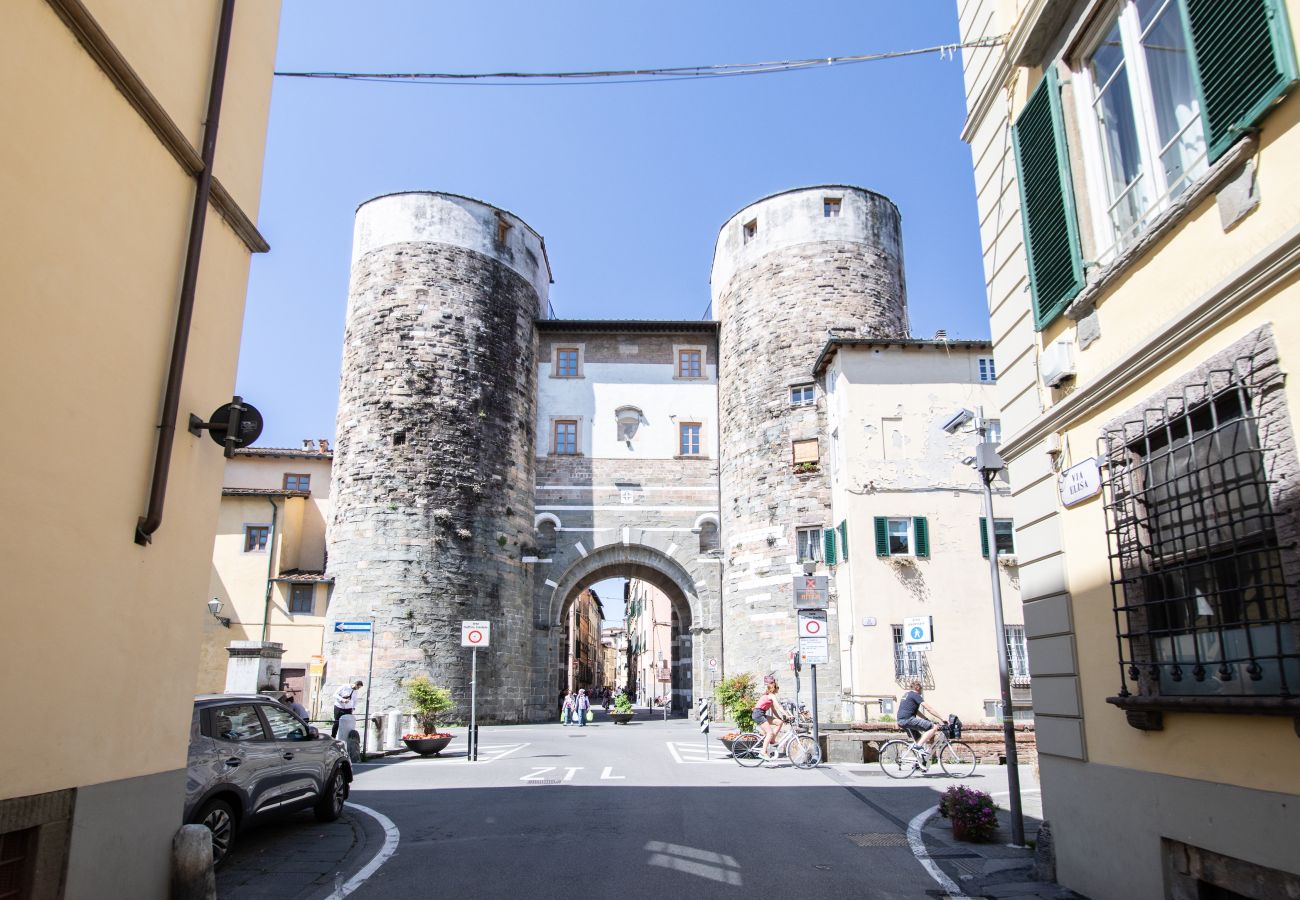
[(833, 344), (286, 452), (261, 492), (304, 577)]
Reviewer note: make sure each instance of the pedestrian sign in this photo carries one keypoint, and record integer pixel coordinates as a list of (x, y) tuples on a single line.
[(918, 629), (353, 627), (475, 634)]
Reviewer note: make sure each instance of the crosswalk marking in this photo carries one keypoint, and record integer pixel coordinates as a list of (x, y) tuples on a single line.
[(692, 752), (493, 752)]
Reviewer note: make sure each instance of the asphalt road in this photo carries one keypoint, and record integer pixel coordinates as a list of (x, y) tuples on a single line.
[(637, 811)]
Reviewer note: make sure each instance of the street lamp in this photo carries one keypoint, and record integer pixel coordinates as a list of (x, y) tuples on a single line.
[(988, 464), (214, 607)]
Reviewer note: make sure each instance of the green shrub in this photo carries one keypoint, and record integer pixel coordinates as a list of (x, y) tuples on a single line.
[(737, 696), (622, 704), (886, 718), (429, 702)]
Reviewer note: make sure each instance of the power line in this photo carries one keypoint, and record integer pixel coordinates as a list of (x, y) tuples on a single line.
[(638, 76)]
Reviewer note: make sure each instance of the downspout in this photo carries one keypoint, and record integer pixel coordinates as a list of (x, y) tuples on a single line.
[(270, 571), (152, 519)]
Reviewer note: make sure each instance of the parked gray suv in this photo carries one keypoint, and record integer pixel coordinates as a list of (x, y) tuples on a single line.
[(251, 758)]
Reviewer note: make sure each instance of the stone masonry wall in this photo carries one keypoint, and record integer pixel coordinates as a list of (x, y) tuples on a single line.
[(433, 475)]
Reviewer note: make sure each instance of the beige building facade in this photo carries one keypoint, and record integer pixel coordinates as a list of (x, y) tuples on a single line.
[(650, 621), (1138, 203), (909, 537), (268, 566), (104, 108)]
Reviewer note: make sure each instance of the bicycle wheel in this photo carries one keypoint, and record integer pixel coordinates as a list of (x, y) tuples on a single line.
[(803, 751), (957, 759), (896, 759), (744, 749)]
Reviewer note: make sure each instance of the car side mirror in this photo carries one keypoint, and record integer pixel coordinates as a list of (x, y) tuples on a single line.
[(313, 732)]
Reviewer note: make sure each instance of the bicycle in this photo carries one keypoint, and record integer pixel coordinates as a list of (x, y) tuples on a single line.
[(797, 745), (899, 760)]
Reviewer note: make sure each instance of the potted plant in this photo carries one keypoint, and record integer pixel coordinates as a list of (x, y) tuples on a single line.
[(429, 704), (973, 813), (736, 696), (622, 713)]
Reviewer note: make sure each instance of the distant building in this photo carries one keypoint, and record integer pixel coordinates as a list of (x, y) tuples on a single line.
[(268, 565), (612, 650), (653, 629), (582, 637)]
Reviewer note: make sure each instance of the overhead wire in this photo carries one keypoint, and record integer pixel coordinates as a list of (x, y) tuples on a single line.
[(637, 76)]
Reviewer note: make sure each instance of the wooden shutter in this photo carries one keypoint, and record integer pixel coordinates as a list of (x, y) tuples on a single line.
[(805, 451), (921, 532), (1242, 61), (882, 536), (984, 537), (828, 545), (844, 540), (1047, 202)]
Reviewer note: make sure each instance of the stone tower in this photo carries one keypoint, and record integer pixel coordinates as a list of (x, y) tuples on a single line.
[(433, 471), (786, 270)]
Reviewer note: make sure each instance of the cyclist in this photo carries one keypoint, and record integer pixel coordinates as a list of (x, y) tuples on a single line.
[(911, 720), (769, 715)]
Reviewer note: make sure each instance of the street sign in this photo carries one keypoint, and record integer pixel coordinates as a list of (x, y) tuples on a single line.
[(815, 651), (704, 715), (1080, 482), (475, 634), (811, 592), (812, 623), (918, 629), (713, 664), (353, 627)]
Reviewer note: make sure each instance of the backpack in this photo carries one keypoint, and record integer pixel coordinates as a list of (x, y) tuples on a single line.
[(952, 730)]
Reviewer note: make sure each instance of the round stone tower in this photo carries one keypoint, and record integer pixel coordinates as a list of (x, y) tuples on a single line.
[(786, 271), (433, 468)]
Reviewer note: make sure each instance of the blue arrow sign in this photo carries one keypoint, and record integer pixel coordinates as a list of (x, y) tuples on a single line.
[(353, 627)]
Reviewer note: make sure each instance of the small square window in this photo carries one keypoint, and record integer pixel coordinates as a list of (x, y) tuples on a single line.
[(802, 395), (805, 451), (993, 432), (809, 544), (690, 438), (831, 207), (1004, 536), (256, 537), (302, 598), (503, 230), (751, 230), (293, 482), (900, 537), (690, 363), (987, 373), (565, 442), (566, 362)]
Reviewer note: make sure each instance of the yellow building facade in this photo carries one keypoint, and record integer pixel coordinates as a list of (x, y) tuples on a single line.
[(1139, 203), (268, 565), (104, 105)]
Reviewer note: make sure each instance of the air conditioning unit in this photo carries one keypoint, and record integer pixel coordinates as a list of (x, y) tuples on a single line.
[(1057, 363)]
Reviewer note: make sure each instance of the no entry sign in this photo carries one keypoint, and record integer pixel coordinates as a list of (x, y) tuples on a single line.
[(475, 634)]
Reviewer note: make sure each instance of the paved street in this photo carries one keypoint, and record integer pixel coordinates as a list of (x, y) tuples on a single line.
[(638, 811)]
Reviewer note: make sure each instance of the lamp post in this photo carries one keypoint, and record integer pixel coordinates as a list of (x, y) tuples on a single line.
[(988, 464)]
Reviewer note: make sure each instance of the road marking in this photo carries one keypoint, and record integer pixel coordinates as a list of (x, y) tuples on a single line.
[(608, 775), (686, 753), (538, 771), (917, 843), (569, 772), (391, 838), (505, 750)]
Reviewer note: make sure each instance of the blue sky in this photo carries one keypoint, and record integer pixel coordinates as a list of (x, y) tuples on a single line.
[(628, 183)]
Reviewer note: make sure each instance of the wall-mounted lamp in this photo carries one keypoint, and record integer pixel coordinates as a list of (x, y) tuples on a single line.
[(214, 607)]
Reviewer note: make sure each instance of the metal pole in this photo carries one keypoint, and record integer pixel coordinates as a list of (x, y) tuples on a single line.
[(370, 687), (1004, 677), (473, 705), (816, 734)]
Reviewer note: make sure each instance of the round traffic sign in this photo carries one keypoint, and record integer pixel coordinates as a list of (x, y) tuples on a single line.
[(917, 632), (475, 637), (812, 626)]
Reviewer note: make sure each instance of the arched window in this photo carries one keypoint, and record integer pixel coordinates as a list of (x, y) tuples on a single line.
[(708, 536), (546, 530)]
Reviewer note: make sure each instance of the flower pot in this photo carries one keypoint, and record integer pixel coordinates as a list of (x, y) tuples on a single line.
[(959, 830), (621, 718), (427, 746)]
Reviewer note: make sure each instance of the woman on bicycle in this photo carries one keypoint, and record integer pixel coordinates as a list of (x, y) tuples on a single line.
[(769, 714)]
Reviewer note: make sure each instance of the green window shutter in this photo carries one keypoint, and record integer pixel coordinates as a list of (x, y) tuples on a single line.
[(1047, 202), (828, 545), (984, 537), (1242, 61), (844, 540), (921, 529), (882, 536)]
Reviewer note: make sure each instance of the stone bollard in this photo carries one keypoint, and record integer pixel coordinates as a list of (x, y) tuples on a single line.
[(192, 875), (1044, 854), (392, 734)]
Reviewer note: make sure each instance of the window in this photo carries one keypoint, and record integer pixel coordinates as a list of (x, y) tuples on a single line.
[(1017, 652), (907, 662), (709, 536), (750, 230), (546, 533), (284, 725), (1004, 536), (566, 362), (994, 433), (1201, 585), (805, 452), (831, 207), (255, 537), (993, 710), (802, 395), (809, 544), (987, 372), (689, 444), (902, 537), (302, 598), (690, 363), (297, 482), (18, 861), (1144, 118), (238, 723), (503, 229), (565, 437)]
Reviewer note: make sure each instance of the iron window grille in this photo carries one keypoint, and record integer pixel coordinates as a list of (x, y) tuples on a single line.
[(909, 664), (1203, 609)]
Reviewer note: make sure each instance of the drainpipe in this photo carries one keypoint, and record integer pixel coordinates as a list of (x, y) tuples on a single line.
[(152, 519), (270, 571)]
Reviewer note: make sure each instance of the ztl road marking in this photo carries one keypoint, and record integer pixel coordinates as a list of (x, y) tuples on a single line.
[(608, 775), (538, 772), (569, 772)]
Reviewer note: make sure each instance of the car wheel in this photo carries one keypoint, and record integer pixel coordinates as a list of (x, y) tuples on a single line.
[(219, 818), (330, 805)]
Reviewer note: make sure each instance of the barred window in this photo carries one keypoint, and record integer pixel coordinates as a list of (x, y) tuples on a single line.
[(907, 662), (1201, 598)]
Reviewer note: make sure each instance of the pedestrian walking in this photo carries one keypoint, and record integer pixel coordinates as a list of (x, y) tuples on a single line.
[(569, 708), (345, 701), (583, 704)]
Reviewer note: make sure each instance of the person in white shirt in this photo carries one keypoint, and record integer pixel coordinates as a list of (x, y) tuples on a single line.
[(345, 701)]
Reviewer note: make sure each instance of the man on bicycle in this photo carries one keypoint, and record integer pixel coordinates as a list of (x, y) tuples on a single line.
[(909, 719)]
